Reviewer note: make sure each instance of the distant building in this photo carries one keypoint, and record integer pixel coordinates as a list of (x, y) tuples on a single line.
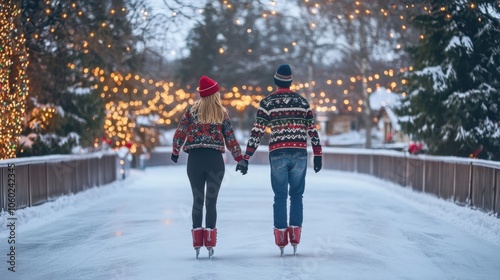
[(386, 120), (389, 125)]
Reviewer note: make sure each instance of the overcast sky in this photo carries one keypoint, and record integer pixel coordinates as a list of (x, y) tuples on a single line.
[(171, 43)]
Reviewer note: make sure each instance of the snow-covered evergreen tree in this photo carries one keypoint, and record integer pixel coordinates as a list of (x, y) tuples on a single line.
[(453, 92), (67, 42)]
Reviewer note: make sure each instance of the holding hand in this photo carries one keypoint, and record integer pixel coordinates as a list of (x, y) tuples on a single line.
[(242, 166), (174, 158), (317, 163)]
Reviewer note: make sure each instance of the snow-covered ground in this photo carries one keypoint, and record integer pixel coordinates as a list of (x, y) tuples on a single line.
[(355, 227)]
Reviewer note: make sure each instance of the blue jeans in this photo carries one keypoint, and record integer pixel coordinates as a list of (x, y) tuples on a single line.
[(288, 168)]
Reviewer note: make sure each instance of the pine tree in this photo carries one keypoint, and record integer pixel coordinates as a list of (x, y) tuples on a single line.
[(237, 45), (453, 93), (203, 47)]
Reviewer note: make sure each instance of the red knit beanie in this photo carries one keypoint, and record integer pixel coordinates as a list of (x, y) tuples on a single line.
[(207, 86)]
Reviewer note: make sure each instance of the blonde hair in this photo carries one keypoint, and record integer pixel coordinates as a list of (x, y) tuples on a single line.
[(209, 109)]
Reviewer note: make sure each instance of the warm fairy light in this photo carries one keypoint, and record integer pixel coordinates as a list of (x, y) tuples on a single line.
[(14, 83), (160, 99)]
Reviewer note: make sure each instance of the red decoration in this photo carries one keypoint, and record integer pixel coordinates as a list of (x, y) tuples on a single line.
[(414, 148)]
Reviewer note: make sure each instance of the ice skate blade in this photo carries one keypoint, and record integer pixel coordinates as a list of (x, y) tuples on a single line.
[(197, 252), (210, 252)]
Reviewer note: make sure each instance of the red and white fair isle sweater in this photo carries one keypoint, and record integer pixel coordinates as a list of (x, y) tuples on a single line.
[(291, 121), (191, 134)]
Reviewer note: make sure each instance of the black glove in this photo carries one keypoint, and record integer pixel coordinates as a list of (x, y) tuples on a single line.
[(317, 163), (242, 166), (174, 158)]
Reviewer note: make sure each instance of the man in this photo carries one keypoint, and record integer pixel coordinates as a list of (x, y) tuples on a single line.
[(291, 121)]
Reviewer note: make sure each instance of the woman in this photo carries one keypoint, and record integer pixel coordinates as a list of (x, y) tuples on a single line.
[(202, 132)]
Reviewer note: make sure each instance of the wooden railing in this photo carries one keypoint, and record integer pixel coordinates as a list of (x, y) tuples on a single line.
[(35, 180), (471, 182)]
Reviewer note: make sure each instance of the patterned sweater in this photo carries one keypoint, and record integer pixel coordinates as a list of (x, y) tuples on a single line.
[(291, 120), (191, 134)]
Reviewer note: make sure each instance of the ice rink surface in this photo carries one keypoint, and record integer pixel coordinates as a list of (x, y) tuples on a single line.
[(355, 227)]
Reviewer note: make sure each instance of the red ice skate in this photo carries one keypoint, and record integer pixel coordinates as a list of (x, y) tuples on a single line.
[(210, 240), (294, 234), (197, 239), (281, 238)]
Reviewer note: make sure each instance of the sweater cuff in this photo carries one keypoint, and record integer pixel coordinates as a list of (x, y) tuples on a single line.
[(238, 158)]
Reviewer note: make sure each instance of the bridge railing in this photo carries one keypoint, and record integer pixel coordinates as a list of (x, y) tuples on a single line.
[(31, 181), (471, 182)]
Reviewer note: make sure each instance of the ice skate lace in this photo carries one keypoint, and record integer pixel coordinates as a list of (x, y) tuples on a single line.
[(282, 236)]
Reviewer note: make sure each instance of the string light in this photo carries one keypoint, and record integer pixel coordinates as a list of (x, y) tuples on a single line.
[(13, 79), (123, 116)]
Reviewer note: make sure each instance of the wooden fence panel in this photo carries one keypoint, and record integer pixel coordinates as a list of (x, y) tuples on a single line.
[(447, 180), (79, 176), (100, 173), (415, 173), (3, 189), (22, 186), (377, 168), (69, 176), (110, 170), (83, 175), (431, 179), (497, 192), (328, 161), (376, 165), (94, 172), (364, 164), (397, 170), (483, 187), (38, 183), (55, 180), (104, 174), (343, 162), (163, 158), (462, 183), (384, 168)]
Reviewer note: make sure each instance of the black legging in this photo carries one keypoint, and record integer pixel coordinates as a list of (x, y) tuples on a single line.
[(205, 166)]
